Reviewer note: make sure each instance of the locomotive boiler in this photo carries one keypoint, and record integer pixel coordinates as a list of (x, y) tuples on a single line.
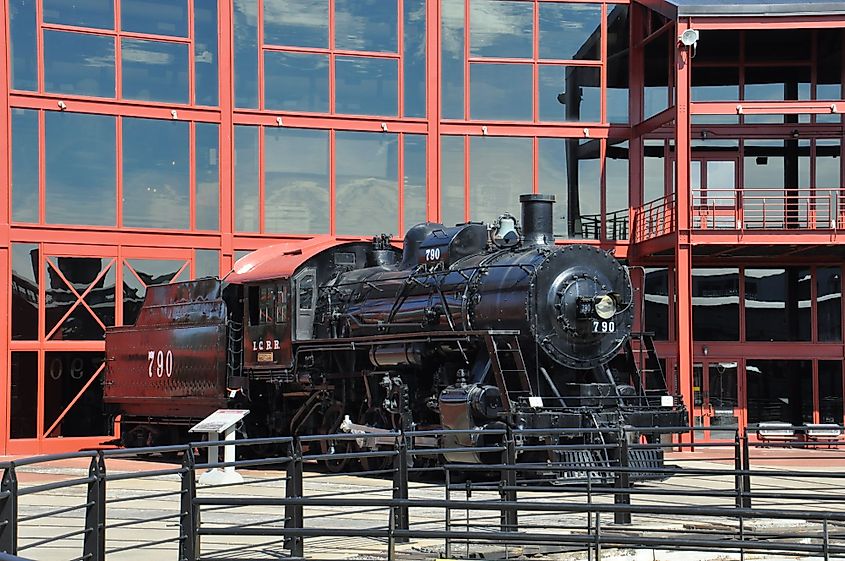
[(467, 327)]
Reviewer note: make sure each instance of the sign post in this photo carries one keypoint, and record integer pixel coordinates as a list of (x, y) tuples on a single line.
[(223, 422)]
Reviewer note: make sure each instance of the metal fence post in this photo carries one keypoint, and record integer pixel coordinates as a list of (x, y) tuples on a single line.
[(507, 485), (189, 514), (94, 543), (738, 468), (400, 484), (622, 481), (9, 511), (293, 490), (746, 466)]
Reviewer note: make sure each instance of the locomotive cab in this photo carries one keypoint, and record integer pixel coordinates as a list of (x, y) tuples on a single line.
[(267, 325)]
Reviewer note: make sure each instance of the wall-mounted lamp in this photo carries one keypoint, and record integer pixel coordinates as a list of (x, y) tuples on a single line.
[(705, 350), (795, 133)]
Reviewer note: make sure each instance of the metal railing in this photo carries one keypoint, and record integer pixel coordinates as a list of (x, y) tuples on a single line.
[(615, 226), (354, 495), (655, 218), (765, 209)]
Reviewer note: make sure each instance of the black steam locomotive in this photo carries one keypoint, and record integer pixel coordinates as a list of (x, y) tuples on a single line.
[(467, 327)]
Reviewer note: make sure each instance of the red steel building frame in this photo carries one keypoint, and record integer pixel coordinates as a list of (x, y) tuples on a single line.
[(121, 243)]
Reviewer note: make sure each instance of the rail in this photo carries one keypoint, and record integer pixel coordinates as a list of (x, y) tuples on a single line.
[(655, 218), (345, 496), (615, 226), (764, 209)]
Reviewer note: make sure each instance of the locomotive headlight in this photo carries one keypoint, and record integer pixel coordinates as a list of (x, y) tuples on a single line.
[(605, 306)]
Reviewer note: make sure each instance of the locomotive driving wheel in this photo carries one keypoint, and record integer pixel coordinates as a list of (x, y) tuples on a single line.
[(332, 418)]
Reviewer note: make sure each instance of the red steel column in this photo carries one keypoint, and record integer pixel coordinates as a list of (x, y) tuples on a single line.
[(432, 62), (226, 138), (683, 249), (5, 182), (636, 85)]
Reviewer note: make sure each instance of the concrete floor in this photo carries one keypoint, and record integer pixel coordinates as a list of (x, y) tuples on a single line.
[(136, 521)]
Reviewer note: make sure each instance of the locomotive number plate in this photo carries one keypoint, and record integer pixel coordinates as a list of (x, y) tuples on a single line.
[(265, 357), (604, 326)]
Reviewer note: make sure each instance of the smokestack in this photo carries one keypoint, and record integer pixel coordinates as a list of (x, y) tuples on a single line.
[(537, 219)]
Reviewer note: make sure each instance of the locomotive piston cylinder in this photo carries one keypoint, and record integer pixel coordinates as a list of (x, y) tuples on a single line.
[(384, 356)]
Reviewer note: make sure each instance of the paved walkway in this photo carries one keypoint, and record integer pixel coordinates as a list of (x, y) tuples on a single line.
[(144, 527)]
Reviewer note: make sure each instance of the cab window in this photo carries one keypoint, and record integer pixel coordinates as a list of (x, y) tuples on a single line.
[(267, 304)]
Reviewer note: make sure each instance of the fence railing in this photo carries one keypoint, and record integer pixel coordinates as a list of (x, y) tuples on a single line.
[(391, 493), (655, 218)]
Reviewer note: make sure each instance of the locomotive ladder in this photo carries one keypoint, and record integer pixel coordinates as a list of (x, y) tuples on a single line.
[(508, 366)]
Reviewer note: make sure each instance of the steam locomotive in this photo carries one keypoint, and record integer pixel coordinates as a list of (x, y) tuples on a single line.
[(467, 327)]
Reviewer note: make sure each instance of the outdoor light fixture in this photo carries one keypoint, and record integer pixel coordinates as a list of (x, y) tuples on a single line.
[(689, 38), (705, 350)]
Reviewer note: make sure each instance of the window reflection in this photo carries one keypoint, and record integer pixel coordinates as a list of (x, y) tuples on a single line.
[(501, 92), (414, 186), (715, 304), (452, 58), (297, 23), (778, 45), (657, 303), (206, 263), (66, 375), (829, 303), (616, 189), (25, 277), (154, 70), (501, 28), (367, 200), (80, 176), (452, 178), (24, 45), (414, 57), (654, 170), (366, 86), (296, 81), (157, 17), (66, 318), (78, 63), (207, 176), (500, 171), (656, 75), (366, 25), (25, 173), (570, 93), (777, 304), (245, 24), (82, 13), (570, 31), (776, 84), (156, 174), (205, 52), (296, 181), (23, 395), (584, 188), (618, 64), (552, 179), (779, 390), (246, 179), (830, 391)]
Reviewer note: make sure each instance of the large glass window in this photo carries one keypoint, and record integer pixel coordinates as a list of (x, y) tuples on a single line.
[(138, 274), (366, 25), (205, 52), (366, 86), (452, 180), (86, 13), (78, 63), (501, 92), (500, 171), (80, 176), (366, 177), (23, 35), (618, 63), (414, 193), (656, 303), (23, 395), (715, 304), (157, 17), (553, 179), (245, 22), (154, 70), (829, 303), (570, 31), (25, 172), (616, 188), (246, 179), (780, 391), (414, 57), (298, 23), (296, 81), (296, 181), (25, 293), (501, 29), (570, 93), (67, 378), (156, 164), (207, 176), (206, 263), (830, 391), (777, 304), (452, 37), (79, 298)]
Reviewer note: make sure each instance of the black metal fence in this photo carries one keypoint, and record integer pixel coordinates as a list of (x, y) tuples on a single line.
[(391, 495)]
